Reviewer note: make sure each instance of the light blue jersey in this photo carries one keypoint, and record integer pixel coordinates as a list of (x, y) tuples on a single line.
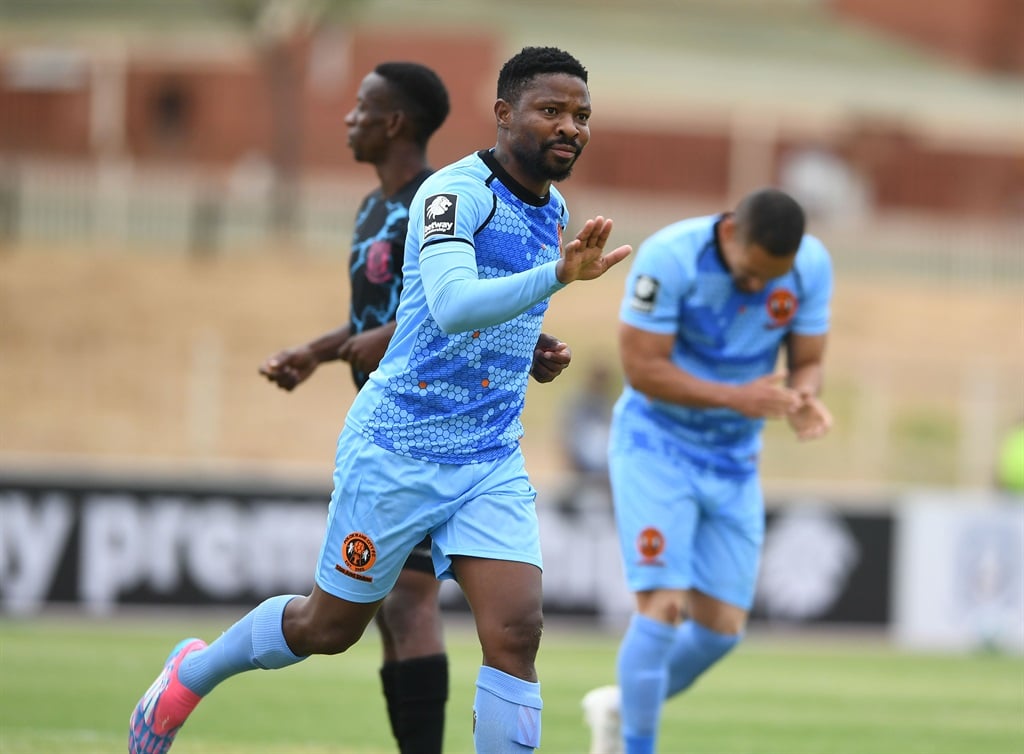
[(679, 285), (479, 268), (431, 443)]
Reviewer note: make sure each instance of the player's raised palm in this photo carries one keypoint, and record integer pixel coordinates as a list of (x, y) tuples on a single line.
[(583, 258)]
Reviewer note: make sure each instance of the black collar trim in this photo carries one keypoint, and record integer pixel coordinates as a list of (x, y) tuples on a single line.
[(499, 172)]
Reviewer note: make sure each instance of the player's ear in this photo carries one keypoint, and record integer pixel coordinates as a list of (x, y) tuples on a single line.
[(502, 113), (395, 123), (727, 227)]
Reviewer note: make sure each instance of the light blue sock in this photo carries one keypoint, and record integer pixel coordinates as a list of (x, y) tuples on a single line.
[(506, 713), (256, 641), (643, 677), (696, 649)]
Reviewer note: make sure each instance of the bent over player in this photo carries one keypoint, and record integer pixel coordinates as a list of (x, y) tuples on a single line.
[(709, 304)]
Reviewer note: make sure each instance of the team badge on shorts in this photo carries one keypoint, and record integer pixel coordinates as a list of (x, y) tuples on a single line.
[(645, 291), (650, 543), (439, 215), (359, 554)]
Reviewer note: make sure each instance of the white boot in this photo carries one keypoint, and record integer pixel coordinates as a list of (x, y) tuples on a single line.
[(601, 713)]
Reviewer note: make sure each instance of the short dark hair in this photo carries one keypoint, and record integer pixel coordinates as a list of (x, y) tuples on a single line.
[(521, 68), (773, 220), (420, 93)]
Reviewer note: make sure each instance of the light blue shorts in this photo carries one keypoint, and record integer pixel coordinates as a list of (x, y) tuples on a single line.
[(681, 526), (384, 504)]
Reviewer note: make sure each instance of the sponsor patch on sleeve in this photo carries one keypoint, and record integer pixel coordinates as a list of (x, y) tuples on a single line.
[(439, 215), (645, 293)]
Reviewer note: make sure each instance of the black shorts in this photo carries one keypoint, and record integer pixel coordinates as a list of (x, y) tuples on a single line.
[(419, 559)]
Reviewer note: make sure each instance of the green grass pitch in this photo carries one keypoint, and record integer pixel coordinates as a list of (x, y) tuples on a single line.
[(68, 685)]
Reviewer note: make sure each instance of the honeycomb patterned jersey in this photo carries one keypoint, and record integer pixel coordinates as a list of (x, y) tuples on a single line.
[(457, 397)]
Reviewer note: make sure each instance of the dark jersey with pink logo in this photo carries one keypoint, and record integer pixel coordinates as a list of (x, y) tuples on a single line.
[(378, 250)]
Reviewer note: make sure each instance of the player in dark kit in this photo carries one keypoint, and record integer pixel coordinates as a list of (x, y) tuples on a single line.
[(398, 108)]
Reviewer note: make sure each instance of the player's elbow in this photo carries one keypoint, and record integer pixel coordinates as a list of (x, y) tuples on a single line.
[(638, 376), (452, 325)]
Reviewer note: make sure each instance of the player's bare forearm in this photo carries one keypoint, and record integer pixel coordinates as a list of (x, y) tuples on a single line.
[(805, 357), (365, 350), (806, 380), (647, 362)]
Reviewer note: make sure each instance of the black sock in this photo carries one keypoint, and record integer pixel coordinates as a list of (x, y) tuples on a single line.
[(417, 691), (389, 682)]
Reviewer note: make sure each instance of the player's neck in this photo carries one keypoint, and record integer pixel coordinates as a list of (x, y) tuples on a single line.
[(397, 170)]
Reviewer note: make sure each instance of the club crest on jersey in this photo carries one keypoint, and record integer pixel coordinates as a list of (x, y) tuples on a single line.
[(358, 554), (439, 215), (378, 262), (645, 292), (650, 543), (781, 305)]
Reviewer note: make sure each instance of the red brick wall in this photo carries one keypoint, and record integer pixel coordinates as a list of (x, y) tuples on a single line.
[(903, 172), (696, 164), (226, 116), (984, 33), (225, 113), (45, 123)]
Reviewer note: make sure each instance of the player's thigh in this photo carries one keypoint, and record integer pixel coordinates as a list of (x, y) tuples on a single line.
[(656, 515), (727, 545), (410, 617), (496, 518), (382, 505), (413, 601)]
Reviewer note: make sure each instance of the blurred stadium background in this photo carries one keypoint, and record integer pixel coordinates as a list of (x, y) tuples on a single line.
[(175, 205)]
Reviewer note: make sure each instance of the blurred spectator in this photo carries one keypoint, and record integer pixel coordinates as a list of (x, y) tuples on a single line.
[(825, 184), (586, 423), (585, 440), (1010, 463)]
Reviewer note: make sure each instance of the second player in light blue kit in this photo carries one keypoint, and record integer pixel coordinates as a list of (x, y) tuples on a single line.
[(710, 304)]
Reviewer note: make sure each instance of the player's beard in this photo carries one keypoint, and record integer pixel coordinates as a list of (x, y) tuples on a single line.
[(538, 163)]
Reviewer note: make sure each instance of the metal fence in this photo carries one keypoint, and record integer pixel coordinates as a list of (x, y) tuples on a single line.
[(179, 211)]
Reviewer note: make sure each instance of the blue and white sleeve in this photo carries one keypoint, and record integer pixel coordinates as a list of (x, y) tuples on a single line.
[(459, 300)]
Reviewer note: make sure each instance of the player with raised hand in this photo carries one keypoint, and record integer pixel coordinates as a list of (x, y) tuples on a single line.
[(431, 442)]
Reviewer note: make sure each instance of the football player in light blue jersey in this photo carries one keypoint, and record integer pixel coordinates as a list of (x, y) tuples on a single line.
[(710, 304), (431, 443)]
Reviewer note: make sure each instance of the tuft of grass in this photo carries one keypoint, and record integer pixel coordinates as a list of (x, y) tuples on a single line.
[(68, 685)]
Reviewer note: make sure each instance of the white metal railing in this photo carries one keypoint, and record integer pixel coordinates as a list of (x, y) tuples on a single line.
[(187, 211)]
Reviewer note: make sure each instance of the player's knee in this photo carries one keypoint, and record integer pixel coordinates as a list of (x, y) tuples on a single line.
[(408, 611), (332, 639), (663, 605), (311, 632), (511, 645)]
